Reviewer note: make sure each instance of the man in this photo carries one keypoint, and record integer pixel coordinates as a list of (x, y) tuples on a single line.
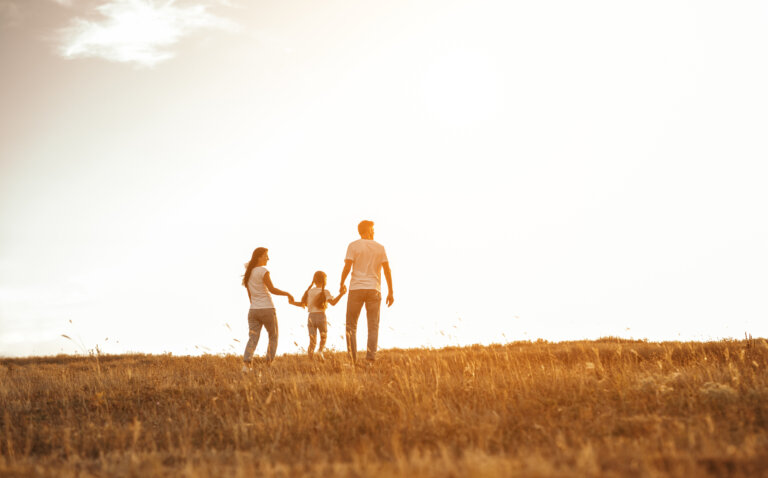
[(365, 258)]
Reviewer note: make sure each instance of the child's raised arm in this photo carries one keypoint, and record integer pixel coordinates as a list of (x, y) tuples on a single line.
[(296, 303), (336, 299)]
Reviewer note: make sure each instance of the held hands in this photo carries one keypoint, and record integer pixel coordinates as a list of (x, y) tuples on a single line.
[(293, 302), (342, 289)]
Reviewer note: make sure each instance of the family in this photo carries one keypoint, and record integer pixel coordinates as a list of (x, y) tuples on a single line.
[(365, 259)]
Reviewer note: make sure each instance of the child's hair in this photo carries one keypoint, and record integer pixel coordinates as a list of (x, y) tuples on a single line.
[(321, 301)]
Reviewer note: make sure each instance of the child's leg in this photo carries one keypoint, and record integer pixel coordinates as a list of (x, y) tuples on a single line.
[(323, 328), (312, 336)]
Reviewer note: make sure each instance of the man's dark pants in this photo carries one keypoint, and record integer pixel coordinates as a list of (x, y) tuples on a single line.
[(372, 300)]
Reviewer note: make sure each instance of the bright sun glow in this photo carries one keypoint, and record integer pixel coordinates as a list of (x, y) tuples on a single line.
[(462, 88)]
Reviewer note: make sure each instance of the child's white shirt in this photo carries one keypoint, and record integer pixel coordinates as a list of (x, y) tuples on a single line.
[(312, 296)]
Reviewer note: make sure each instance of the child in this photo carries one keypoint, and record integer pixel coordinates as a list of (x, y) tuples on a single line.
[(316, 299)]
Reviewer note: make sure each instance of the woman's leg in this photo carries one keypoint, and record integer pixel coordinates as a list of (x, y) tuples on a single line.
[(254, 330), (269, 319)]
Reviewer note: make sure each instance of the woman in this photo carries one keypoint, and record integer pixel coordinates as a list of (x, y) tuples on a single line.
[(262, 312)]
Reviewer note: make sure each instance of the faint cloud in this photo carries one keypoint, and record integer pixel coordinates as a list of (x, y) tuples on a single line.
[(64, 3), (137, 31), (10, 15)]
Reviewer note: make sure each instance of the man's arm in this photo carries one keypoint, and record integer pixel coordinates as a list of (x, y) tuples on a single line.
[(274, 290), (335, 300), (344, 274), (388, 276)]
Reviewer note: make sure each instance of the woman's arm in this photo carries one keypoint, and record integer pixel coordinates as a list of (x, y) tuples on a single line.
[(296, 303), (274, 290)]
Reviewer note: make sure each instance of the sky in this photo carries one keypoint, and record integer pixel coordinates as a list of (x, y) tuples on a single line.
[(552, 169)]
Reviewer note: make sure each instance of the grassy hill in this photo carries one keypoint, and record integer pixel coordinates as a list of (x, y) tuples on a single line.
[(602, 408)]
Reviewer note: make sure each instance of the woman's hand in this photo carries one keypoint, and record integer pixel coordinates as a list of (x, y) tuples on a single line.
[(297, 304)]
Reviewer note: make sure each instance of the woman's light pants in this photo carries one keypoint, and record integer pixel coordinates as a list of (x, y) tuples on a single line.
[(258, 318)]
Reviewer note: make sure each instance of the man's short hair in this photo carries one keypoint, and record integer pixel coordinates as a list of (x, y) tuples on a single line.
[(364, 227)]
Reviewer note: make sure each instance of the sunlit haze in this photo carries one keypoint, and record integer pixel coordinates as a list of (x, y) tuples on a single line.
[(551, 169)]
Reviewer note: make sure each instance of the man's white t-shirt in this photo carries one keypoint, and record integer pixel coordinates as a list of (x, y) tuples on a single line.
[(312, 298), (367, 256), (260, 296)]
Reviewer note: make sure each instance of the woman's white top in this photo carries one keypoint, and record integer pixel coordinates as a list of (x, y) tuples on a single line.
[(312, 297), (260, 296)]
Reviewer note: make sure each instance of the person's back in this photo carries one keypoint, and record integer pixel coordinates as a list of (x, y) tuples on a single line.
[(313, 296), (367, 256), (260, 296)]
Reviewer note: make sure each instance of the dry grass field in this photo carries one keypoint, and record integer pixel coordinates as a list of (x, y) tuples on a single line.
[(602, 408)]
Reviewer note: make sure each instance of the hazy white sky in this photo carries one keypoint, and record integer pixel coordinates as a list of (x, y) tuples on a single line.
[(550, 169)]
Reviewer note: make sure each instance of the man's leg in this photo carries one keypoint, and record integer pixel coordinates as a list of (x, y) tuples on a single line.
[(372, 310), (354, 305)]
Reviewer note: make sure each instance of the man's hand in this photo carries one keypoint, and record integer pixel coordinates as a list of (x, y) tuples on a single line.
[(343, 289), (290, 298), (388, 276)]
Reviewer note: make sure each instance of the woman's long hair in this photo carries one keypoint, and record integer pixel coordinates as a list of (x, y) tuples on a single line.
[(322, 301), (257, 253)]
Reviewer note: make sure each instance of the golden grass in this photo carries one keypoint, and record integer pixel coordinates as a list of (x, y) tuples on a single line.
[(603, 408)]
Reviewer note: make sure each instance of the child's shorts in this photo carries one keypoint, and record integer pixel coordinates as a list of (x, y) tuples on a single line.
[(317, 321)]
